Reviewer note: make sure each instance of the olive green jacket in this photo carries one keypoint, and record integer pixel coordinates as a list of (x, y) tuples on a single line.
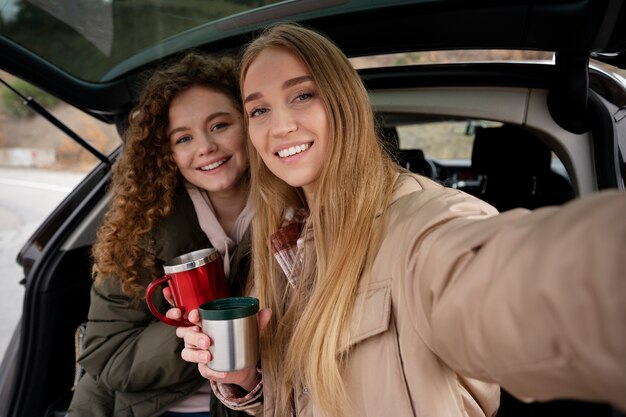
[(132, 361)]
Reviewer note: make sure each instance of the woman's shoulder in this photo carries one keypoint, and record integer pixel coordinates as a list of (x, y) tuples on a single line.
[(180, 231), (407, 183), (415, 195)]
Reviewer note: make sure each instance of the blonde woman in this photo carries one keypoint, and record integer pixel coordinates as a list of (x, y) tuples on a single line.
[(391, 295)]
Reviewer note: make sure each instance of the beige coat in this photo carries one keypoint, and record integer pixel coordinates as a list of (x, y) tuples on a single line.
[(534, 302)]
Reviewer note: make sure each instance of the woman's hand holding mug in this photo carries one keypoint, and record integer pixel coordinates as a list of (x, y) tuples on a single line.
[(197, 345), (191, 278)]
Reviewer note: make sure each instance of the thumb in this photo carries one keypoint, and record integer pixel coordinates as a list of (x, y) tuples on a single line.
[(264, 318)]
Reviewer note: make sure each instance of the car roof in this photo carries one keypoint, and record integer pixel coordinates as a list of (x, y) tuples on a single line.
[(90, 54)]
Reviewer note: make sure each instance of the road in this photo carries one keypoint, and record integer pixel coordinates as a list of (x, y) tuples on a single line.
[(27, 196)]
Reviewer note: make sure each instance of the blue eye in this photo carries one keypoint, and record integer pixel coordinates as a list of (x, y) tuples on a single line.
[(219, 126), (303, 96), (183, 139), (257, 112)]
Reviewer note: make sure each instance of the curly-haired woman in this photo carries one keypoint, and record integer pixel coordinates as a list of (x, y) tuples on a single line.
[(181, 184)]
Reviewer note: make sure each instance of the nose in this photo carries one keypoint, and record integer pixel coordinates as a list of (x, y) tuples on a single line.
[(206, 145), (283, 122)]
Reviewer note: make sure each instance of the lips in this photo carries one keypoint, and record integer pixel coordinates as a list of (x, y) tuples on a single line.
[(213, 165), (292, 150)]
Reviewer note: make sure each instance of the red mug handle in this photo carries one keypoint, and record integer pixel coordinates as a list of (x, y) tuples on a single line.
[(172, 322)]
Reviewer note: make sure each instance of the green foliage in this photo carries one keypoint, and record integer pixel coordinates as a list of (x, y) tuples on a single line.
[(13, 105)]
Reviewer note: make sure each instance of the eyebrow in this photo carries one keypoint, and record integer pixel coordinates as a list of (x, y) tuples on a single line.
[(287, 84), (207, 119)]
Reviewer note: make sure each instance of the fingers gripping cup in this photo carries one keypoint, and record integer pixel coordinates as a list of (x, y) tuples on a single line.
[(232, 325), (193, 278)]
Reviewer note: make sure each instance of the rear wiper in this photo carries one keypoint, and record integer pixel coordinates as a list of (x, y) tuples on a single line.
[(38, 108)]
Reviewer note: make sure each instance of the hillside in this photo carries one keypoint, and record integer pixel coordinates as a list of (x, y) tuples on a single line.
[(35, 132)]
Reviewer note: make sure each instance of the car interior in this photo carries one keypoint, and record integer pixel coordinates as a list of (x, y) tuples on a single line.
[(509, 167)]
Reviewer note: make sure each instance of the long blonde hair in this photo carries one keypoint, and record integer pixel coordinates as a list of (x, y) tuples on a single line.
[(304, 339)]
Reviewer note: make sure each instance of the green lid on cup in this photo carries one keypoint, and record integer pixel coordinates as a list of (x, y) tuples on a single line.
[(229, 308)]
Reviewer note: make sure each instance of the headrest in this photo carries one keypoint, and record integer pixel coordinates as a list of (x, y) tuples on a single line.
[(509, 149), (415, 161), (409, 155)]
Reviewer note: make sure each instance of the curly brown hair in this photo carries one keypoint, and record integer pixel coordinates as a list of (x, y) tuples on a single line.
[(145, 177)]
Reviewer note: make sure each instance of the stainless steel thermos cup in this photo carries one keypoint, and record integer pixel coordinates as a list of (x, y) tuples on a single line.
[(232, 325)]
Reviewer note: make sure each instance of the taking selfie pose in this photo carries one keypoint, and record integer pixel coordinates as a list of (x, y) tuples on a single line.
[(393, 295), (181, 184)]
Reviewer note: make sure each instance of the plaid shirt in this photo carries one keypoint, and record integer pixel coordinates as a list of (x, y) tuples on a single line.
[(288, 244)]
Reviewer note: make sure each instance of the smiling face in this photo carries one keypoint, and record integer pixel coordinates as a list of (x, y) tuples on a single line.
[(288, 122), (207, 139)]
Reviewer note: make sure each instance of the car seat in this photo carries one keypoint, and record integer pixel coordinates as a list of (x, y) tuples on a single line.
[(514, 170), (412, 159), (415, 161)]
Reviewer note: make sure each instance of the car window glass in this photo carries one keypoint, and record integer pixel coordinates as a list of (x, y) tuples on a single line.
[(106, 33), (51, 148), (448, 139), (439, 57)]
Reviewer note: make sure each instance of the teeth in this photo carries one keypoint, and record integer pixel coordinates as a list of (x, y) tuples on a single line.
[(293, 150), (213, 165)]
